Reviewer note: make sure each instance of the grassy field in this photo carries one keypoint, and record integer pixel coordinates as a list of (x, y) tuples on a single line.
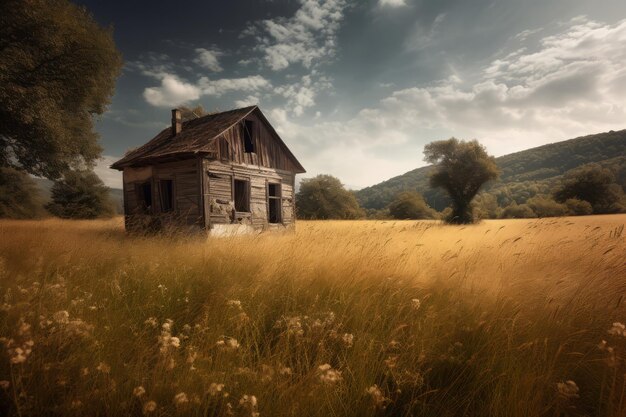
[(503, 318)]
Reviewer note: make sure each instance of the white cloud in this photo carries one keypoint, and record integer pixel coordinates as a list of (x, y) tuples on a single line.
[(173, 91), (301, 95), (209, 58), (248, 101), (308, 37), (391, 3), (569, 84), (111, 177)]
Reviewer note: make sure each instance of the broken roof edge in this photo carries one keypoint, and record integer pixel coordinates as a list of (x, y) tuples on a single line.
[(141, 156)]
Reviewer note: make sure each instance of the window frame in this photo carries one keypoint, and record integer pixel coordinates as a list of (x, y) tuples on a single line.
[(248, 136), (275, 199), (248, 192), (172, 207)]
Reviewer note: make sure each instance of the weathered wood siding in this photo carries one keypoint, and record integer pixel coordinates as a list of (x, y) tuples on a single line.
[(269, 152), (219, 198), (187, 190)]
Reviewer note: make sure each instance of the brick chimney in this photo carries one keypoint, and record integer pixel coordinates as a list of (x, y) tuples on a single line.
[(177, 122)]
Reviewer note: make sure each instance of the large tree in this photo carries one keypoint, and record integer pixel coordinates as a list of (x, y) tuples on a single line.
[(20, 197), (57, 71), (80, 195), (593, 184), (324, 197), (461, 169)]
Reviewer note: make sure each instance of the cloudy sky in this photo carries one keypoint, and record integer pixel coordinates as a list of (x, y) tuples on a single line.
[(357, 87)]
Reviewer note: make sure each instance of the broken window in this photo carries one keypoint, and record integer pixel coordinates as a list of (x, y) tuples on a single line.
[(248, 136), (144, 196), (274, 203), (166, 192), (242, 195)]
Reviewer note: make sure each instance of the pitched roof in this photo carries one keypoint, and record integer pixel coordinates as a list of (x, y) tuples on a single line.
[(197, 136)]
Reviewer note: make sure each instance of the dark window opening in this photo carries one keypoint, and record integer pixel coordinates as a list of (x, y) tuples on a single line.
[(248, 136), (144, 197), (224, 149), (274, 203), (242, 195), (166, 191)]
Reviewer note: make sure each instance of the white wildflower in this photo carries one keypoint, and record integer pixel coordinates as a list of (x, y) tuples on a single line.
[(227, 343), (152, 322), (180, 399), (61, 317), (568, 389), (139, 391), (416, 303), (347, 339), (234, 303), (149, 407), (377, 396), (249, 403), (215, 389), (103, 367), (618, 329), (328, 375)]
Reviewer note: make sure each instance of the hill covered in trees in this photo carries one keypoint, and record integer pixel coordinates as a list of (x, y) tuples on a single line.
[(524, 174)]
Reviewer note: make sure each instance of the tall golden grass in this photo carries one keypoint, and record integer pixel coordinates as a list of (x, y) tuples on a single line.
[(362, 318)]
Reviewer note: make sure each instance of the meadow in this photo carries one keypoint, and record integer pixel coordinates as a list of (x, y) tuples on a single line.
[(342, 318)]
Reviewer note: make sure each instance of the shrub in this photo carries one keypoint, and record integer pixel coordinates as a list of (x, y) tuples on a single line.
[(411, 205), (518, 211), (578, 207), (80, 195)]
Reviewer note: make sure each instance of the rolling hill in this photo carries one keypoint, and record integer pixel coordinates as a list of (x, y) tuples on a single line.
[(523, 174)]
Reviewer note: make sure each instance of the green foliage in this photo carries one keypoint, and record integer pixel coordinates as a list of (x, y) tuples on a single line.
[(461, 169), (578, 207), (411, 205), (80, 195), (523, 174), (518, 211), (19, 195), (57, 70), (545, 206), (593, 184), (324, 197)]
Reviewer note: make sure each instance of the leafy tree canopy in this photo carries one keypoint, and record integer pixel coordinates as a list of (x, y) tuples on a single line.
[(461, 168), (324, 197), (57, 70), (411, 205), (19, 196), (80, 195), (593, 184)]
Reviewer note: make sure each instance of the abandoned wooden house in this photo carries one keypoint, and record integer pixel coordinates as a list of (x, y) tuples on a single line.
[(226, 172)]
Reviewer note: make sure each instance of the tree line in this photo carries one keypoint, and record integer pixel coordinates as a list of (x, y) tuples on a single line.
[(461, 169), (58, 70)]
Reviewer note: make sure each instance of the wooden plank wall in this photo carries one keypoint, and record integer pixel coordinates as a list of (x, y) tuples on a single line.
[(219, 194), (268, 153), (187, 189)]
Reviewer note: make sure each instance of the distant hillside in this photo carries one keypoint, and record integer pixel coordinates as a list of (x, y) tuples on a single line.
[(45, 186), (524, 174)]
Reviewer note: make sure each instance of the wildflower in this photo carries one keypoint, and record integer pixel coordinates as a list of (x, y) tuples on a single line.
[(347, 339), (618, 329), (139, 391), (391, 362), (284, 371), (249, 403), (215, 388), (568, 389), (4, 384), (152, 322), (76, 404), (61, 317), (180, 399), (174, 341), (234, 303), (103, 367), (416, 303), (227, 343), (149, 407), (328, 375), (380, 401)]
